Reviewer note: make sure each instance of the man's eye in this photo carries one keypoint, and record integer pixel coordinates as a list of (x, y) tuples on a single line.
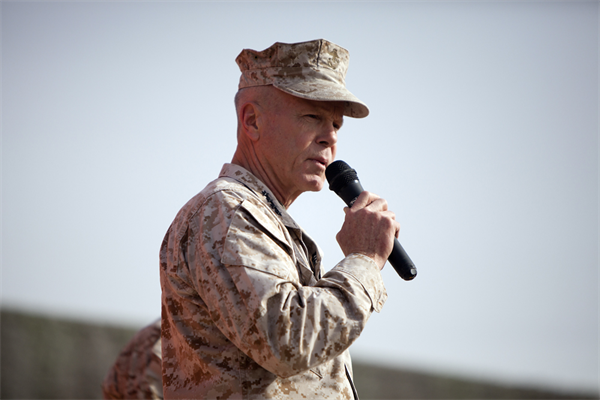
[(312, 116)]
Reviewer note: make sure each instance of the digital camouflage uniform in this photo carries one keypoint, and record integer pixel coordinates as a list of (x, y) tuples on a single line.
[(245, 311), (136, 374)]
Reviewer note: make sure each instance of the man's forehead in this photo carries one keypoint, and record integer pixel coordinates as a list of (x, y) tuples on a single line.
[(334, 107), (329, 106)]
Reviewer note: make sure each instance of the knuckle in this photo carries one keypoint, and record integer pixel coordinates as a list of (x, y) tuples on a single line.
[(389, 224)]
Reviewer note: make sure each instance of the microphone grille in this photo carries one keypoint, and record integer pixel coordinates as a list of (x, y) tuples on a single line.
[(338, 174), (334, 169)]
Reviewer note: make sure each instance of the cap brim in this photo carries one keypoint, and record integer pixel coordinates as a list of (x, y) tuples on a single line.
[(320, 90)]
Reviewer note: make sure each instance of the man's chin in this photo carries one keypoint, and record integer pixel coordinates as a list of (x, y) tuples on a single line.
[(317, 187), (313, 182)]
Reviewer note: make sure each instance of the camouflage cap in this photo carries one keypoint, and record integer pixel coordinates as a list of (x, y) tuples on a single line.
[(313, 70)]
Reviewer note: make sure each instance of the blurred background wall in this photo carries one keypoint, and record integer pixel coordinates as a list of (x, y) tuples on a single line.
[(51, 358)]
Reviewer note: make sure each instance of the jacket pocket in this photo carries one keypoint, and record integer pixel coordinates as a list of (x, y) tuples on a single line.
[(254, 240)]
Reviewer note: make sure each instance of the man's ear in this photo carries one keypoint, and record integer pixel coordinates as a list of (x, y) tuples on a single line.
[(250, 117)]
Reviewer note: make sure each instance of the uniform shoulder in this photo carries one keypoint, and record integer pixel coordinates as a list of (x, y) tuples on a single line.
[(223, 192)]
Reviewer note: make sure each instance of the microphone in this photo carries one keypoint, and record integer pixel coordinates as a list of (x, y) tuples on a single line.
[(343, 180)]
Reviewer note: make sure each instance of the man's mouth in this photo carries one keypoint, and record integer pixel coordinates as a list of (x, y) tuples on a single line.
[(320, 160)]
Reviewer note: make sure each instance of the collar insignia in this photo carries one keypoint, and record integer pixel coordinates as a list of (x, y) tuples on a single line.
[(271, 203)]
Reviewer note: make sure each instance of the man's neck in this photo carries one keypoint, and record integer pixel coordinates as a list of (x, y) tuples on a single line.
[(253, 165)]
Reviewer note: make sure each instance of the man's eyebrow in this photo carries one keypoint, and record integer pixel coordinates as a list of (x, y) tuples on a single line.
[(318, 109)]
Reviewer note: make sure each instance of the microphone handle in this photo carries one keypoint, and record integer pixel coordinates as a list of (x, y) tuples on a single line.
[(398, 257), (402, 262)]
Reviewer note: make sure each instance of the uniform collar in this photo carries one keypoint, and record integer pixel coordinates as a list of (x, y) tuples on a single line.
[(261, 190)]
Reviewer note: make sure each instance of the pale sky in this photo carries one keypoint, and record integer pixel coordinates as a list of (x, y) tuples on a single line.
[(483, 138)]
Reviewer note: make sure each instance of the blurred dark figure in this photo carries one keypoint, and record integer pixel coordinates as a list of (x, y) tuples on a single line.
[(136, 374)]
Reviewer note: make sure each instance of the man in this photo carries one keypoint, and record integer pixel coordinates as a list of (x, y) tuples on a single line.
[(246, 313), (137, 371)]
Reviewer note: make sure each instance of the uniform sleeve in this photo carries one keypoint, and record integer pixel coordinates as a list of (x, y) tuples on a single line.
[(244, 269)]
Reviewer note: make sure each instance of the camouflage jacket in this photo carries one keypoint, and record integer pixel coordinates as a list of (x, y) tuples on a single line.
[(245, 311)]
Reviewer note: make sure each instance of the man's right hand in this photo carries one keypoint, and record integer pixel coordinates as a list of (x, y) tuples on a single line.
[(369, 228)]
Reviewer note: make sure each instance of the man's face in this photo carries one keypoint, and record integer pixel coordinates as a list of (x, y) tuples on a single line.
[(300, 142)]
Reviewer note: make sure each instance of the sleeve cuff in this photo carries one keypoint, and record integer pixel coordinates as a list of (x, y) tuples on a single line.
[(365, 271)]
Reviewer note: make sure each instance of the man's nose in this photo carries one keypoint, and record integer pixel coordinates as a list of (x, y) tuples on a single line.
[(328, 136)]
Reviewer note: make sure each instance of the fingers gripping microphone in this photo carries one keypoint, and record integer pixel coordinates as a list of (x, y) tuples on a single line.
[(343, 180)]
